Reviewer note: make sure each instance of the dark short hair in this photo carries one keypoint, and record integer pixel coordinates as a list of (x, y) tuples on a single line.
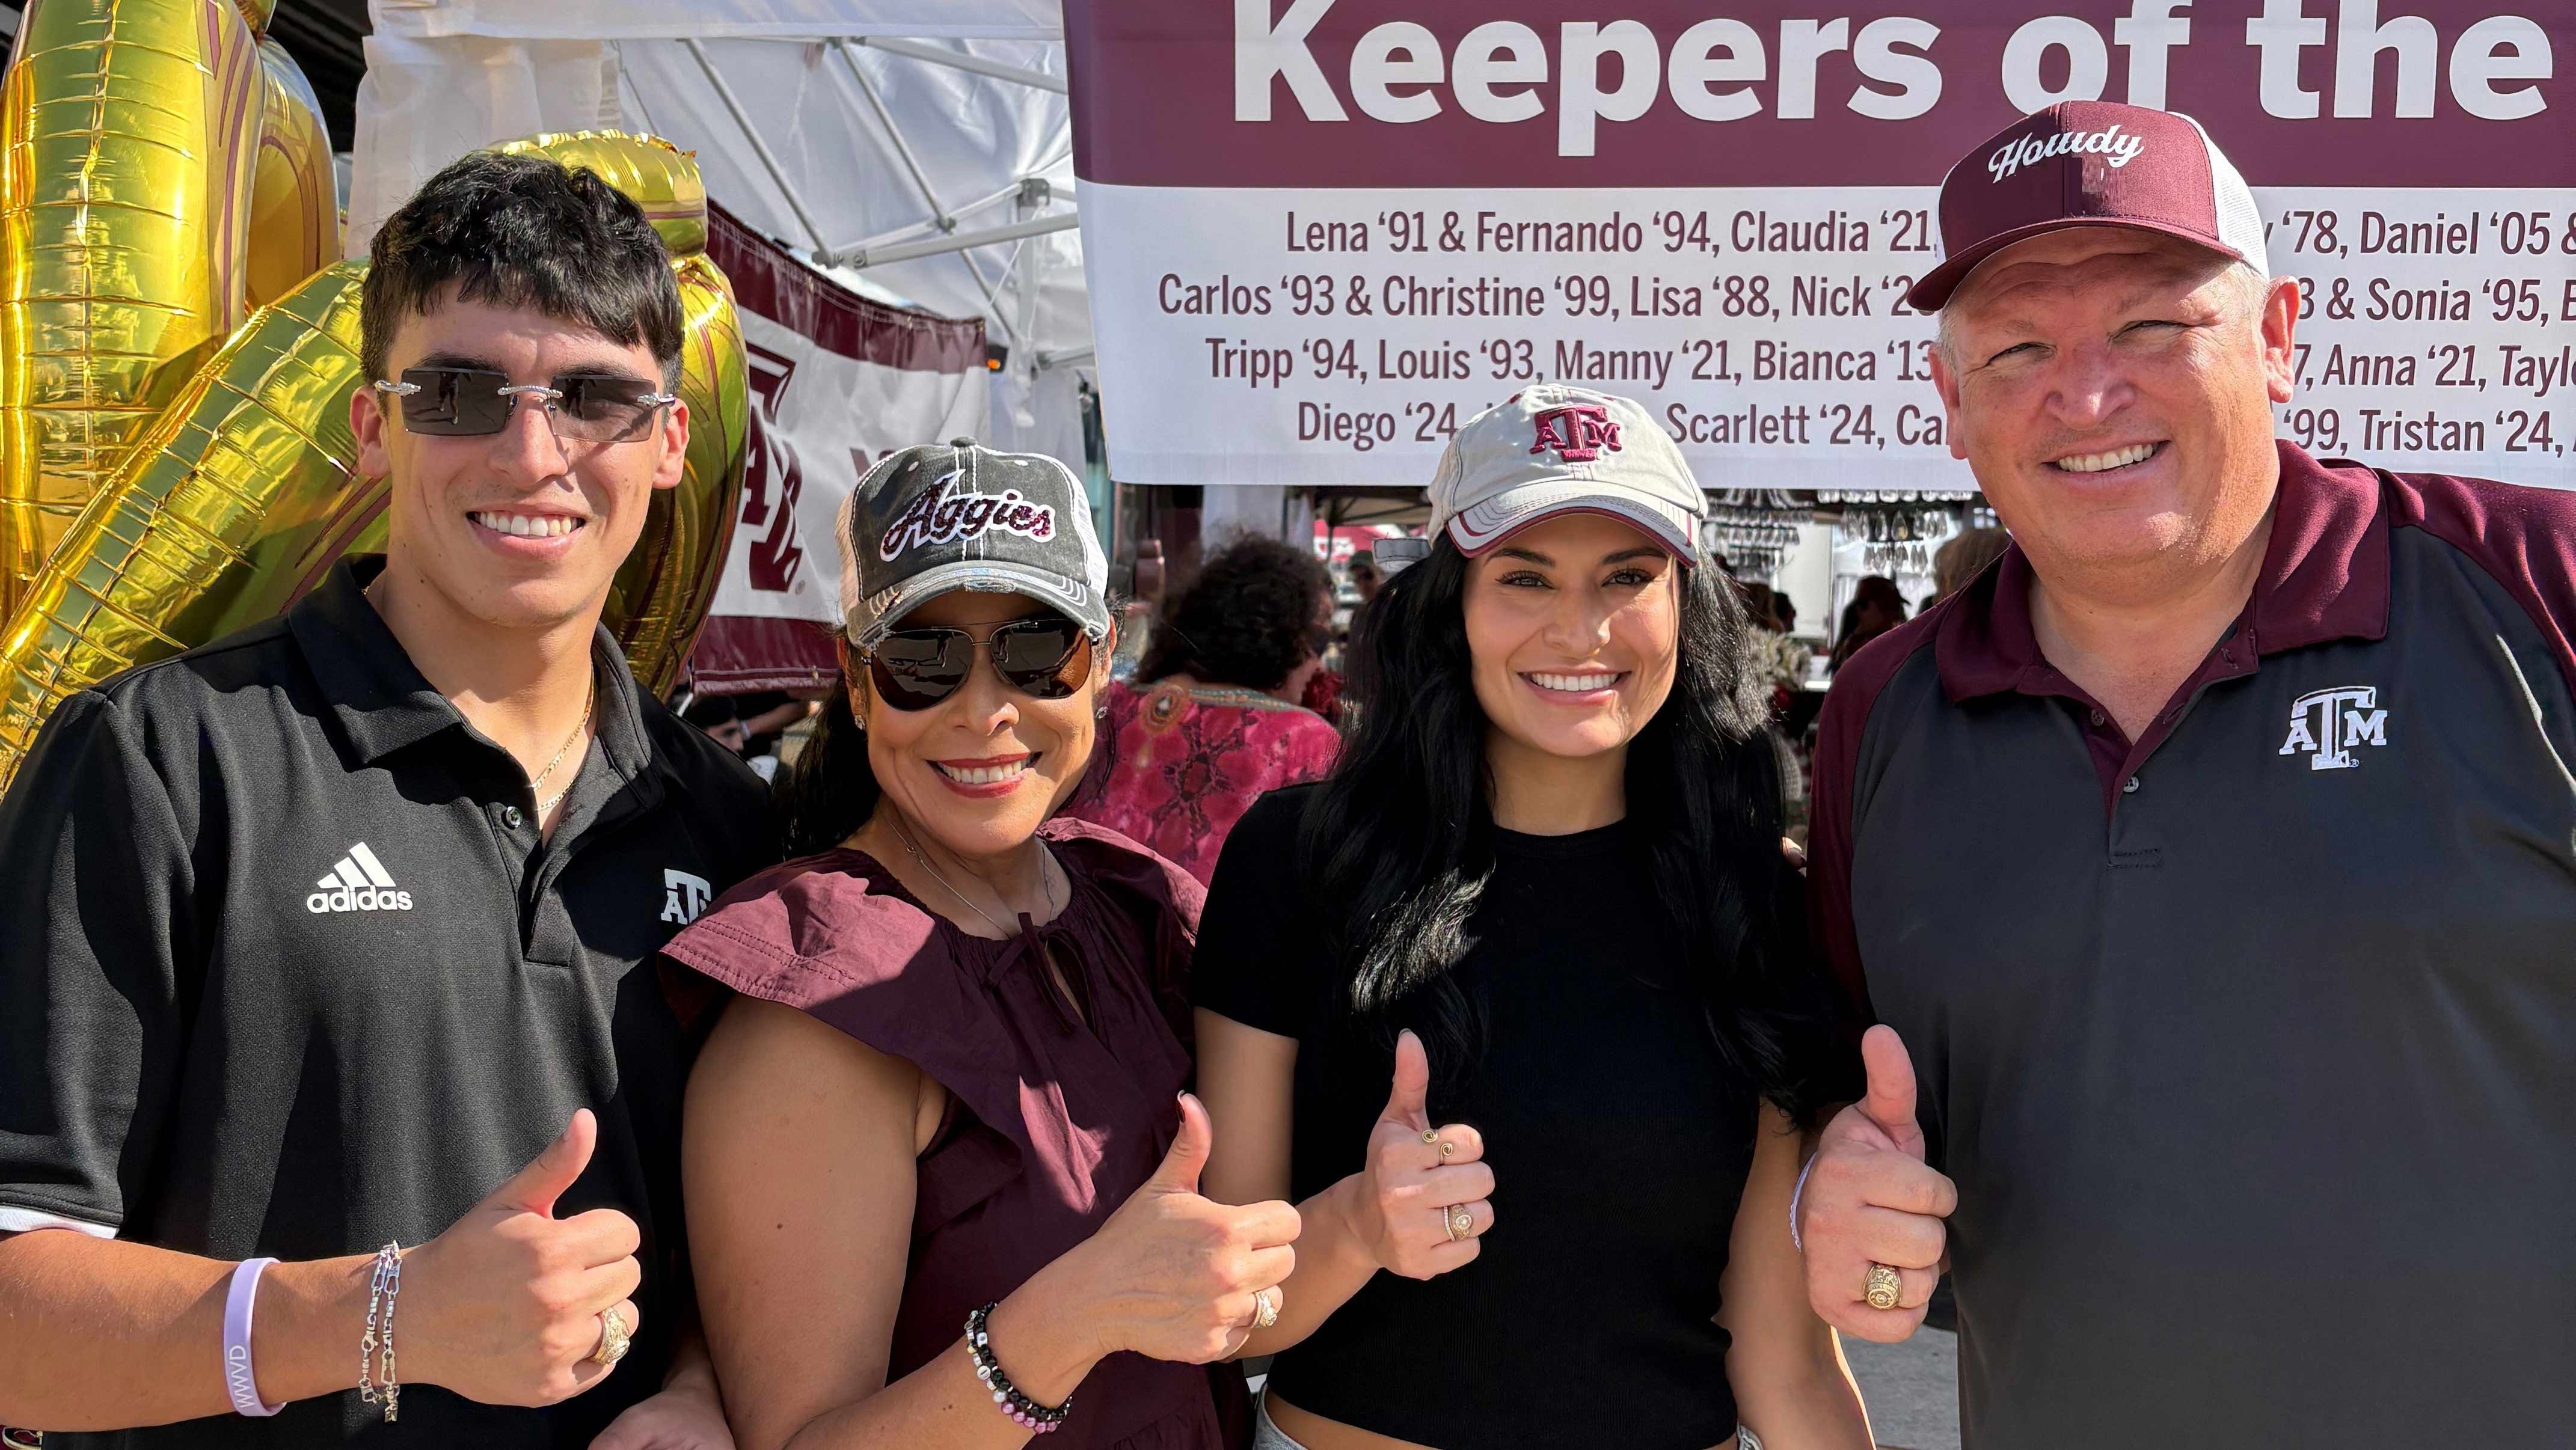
[(523, 231), (1246, 620)]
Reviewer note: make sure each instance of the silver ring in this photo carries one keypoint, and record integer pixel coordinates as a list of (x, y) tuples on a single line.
[(1265, 1308)]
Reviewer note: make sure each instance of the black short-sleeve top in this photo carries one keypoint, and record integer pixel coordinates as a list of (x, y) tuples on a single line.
[(1056, 1114), (1620, 1142)]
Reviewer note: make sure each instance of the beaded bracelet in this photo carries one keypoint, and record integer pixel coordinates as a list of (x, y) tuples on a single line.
[(1027, 1413)]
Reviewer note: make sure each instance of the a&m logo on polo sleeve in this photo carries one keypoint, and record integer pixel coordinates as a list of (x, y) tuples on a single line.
[(2331, 724), (684, 895)]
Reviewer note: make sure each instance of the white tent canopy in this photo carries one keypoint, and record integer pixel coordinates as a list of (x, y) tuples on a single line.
[(919, 150)]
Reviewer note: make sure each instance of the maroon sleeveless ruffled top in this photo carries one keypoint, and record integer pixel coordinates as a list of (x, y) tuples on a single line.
[(1053, 1119)]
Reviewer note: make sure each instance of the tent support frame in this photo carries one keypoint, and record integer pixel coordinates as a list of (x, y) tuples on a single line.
[(759, 147), (863, 257), (958, 60)]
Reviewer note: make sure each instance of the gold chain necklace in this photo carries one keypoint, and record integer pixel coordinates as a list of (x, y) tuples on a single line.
[(1046, 884), (589, 702)]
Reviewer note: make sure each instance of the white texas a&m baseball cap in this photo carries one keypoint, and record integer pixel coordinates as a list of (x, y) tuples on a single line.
[(1554, 449)]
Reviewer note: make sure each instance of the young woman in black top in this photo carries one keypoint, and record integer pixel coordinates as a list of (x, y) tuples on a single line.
[(1533, 942)]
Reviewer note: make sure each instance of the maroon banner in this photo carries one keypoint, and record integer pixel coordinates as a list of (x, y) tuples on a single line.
[(836, 380), (1517, 93)]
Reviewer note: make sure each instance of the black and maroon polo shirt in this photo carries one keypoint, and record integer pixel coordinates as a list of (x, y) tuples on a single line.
[(2250, 1043)]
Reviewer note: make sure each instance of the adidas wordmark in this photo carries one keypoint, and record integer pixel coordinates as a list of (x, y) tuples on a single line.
[(358, 883)]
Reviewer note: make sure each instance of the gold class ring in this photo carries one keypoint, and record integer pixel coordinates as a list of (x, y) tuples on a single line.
[(613, 1342), (1885, 1287)]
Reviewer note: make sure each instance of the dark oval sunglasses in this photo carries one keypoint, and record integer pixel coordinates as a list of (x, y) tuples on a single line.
[(476, 403), (1045, 657)]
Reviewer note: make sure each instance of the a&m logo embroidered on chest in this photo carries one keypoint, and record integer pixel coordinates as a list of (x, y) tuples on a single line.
[(684, 896), (2331, 724)]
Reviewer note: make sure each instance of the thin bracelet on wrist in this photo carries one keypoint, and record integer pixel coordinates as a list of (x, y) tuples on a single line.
[(1027, 1413), (382, 1286)]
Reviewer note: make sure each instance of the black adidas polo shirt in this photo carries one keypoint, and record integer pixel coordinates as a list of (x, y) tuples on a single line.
[(286, 970), (2251, 1043)]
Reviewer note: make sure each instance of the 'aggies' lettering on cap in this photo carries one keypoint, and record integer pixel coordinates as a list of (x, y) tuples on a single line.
[(937, 515), (1578, 432)]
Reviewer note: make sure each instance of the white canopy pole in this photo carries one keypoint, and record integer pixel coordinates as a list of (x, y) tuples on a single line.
[(760, 148), (940, 216), (858, 258), (941, 55)]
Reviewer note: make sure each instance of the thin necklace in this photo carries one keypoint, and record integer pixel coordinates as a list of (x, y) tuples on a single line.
[(1045, 883), (589, 702)]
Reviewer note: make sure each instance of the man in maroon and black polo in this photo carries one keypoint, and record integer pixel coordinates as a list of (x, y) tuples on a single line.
[(2213, 858)]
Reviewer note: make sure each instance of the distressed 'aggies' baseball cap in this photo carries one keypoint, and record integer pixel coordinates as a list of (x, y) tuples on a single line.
[(2089, 164), (938, 517), (1553, 449)]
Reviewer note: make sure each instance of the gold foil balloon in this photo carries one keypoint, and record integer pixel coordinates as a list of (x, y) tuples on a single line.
[(129, 128), (663, 590), (658, 176), (295, 195), (211, 519)]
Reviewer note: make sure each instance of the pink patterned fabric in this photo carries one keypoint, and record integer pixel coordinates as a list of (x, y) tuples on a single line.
[(1178, 765)]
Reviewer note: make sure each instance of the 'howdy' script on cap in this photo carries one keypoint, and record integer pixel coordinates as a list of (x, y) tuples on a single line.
[(2023, 151)]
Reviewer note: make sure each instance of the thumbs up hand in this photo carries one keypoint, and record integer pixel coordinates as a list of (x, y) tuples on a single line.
[(1870, 1199), (1172, 1274), (505, 1306), (1426, 1195)]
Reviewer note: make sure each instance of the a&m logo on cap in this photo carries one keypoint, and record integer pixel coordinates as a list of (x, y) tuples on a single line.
[(1578, 432), (938, 515)]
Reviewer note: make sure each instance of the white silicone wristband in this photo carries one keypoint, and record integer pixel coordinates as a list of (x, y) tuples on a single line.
[(1795, 1195), (239, 1300)]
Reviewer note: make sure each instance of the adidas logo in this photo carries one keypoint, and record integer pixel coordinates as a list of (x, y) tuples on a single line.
[(358, 883)]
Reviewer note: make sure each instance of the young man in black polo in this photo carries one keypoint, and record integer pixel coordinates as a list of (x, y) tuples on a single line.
[(340, 932)]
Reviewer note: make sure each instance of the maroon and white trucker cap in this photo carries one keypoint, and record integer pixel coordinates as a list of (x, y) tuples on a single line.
[(2089, 164), (1551, 449)]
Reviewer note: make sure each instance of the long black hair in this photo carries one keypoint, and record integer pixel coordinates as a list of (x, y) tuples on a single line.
[(831, 790), (1400, 838)]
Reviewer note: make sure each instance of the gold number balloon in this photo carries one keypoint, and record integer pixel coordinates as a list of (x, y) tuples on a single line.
[(295, 195), (240, 476), (663, 591), (242, 495), (660, 177), (128, 127)]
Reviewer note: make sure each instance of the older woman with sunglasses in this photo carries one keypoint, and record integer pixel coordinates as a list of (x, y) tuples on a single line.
[(940, 1174)]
